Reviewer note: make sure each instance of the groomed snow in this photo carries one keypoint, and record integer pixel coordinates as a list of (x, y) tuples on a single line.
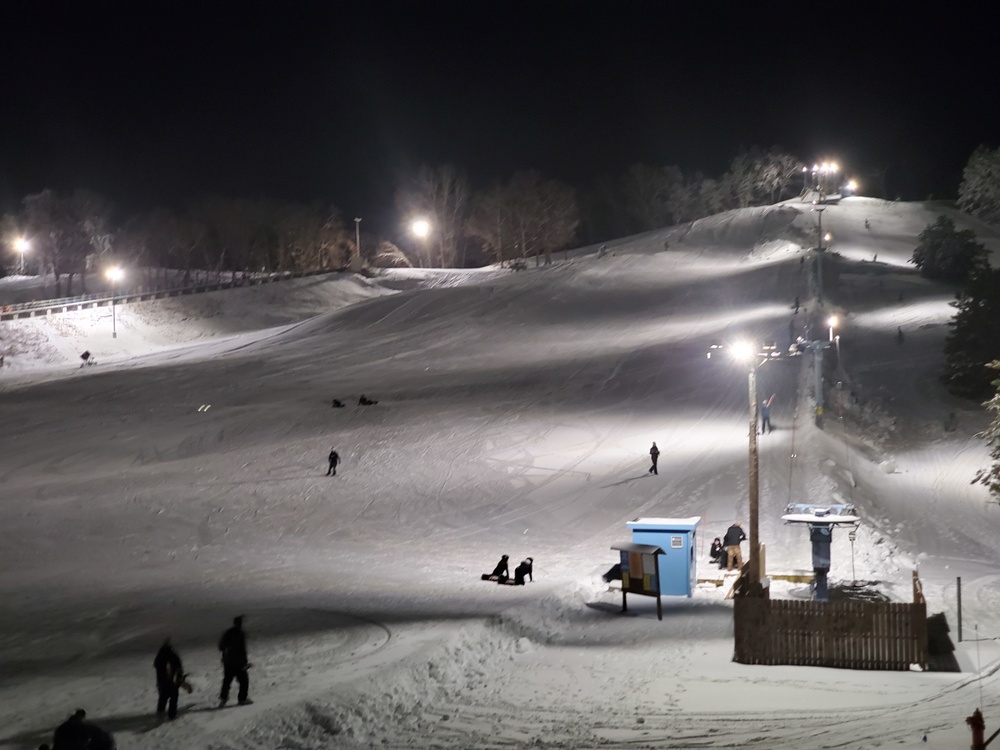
[(180, 482)]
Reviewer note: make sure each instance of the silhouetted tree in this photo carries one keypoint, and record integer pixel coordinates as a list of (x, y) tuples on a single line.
[(990, 476), (948, 254), (979, 193), (974, 339)]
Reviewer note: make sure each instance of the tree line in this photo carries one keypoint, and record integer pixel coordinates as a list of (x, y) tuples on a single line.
[(525, 216)]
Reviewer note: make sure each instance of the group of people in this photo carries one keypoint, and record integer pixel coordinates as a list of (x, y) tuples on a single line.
[(524, 569), (171, 678), (363, 401), (77, 733), (726, 552)]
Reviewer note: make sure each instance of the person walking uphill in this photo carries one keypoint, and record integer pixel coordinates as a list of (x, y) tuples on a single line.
[(334, 460), (233, 646), (169, 678), (731, 541), (654, 454)]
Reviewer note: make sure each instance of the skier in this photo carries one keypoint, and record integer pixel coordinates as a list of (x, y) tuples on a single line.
[(334, 459), (522, 570), (765, 414), (731, 541), (169, 678), (233, 646), (867, 224), (501, 569), (654, 453), (796, 305)]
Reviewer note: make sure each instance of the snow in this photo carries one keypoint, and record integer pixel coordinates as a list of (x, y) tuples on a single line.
[(180, 481)]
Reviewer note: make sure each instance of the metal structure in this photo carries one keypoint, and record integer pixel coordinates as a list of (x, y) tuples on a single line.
[(820, 520)]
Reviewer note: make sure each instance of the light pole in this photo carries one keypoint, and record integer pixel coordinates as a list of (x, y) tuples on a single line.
[(22, 246), (356, 257), (114, 275), (744, 352)]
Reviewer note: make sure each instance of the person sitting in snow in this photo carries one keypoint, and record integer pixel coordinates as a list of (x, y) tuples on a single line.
[(717, 554), (365, 401), (501, 570), (522, 570)]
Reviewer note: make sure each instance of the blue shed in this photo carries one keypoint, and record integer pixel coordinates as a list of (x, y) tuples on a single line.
[(677, 537)]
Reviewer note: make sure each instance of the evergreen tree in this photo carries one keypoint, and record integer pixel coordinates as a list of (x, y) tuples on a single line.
[(979, 193), (949, 254), (974, 340), (991, 476)]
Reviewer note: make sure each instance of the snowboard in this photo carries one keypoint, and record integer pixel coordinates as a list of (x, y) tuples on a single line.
[(502, 581)]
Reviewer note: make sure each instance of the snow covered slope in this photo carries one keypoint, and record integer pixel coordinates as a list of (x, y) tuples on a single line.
[(181, 481)]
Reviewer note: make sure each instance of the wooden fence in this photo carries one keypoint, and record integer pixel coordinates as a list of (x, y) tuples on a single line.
[(847, 634)]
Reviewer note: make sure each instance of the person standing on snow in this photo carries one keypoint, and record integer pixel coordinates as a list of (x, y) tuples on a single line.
[(334, 460), (654, 454), (731, 541), (169, 678), (233, 646), (765, 414)]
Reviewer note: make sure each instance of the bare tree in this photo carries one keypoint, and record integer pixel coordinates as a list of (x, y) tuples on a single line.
[(442, 195)]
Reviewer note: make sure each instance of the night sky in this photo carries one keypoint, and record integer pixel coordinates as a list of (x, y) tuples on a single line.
[(155, 102)]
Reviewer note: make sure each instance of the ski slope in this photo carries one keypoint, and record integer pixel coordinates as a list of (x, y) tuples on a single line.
[(181, 481)]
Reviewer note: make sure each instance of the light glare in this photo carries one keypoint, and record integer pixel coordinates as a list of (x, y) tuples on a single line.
[(420, 228)]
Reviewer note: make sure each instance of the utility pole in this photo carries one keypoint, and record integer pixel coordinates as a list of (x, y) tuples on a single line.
[(356, 256), (754, 479)]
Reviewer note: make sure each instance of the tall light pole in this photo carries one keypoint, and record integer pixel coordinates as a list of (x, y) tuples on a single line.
[(745, 353), (356, 258), (421, 229), (114, 275), (22, 246)]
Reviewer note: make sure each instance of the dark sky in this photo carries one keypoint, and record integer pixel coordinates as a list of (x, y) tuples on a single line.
[(152, 101)]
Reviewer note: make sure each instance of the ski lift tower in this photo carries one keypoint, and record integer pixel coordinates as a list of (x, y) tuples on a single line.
[(821, 520)]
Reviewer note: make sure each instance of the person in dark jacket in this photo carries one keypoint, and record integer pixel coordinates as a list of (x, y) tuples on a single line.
[(522, 570), (334, 460), (717, 554), (501, 569), (76, 733), (731, 541), (654, 454), (233, 646), (169, 678), (365, 401), (765, 414), (72, 733)]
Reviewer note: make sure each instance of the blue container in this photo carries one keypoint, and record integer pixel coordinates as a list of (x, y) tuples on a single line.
[(678, 539)]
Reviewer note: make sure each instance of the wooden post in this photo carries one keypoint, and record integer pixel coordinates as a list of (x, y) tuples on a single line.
[(624, 601), (659, 608), (958, 583)]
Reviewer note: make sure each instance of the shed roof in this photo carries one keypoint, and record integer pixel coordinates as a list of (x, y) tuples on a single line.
[(645, 549)]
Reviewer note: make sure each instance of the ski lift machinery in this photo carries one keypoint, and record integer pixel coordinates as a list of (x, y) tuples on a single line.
[(821, 519)]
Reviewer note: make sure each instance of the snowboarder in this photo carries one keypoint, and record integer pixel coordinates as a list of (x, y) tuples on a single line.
[(501, 569), (899, 334), (654, 454), (717, 554), (233, 646), (796, 305), (334, 459), (765, 414), (365, 401), (522, 570), (867, 224), (169, 679), (731, 541)]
